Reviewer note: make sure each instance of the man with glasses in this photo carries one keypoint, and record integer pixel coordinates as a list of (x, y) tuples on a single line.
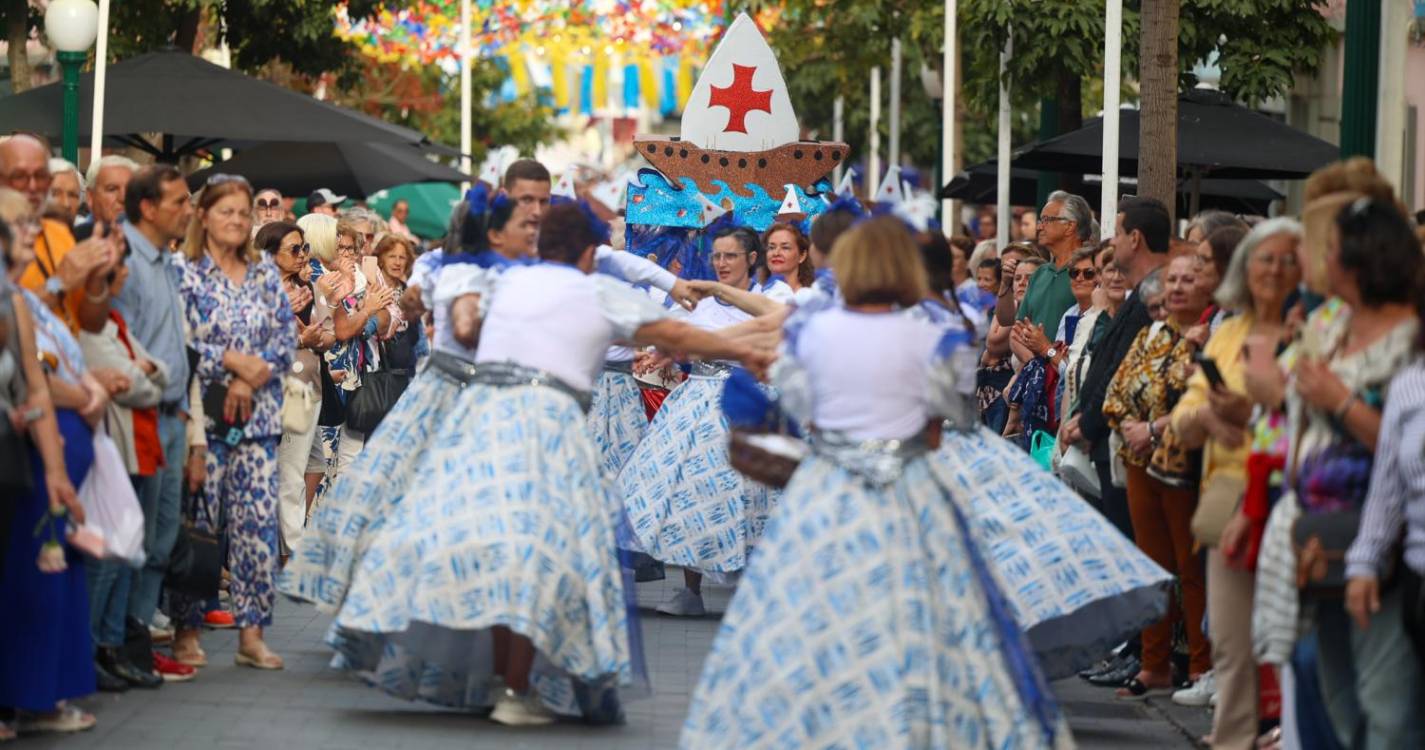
[(106, 182), (267, 207), (70, 278), (157, 204)]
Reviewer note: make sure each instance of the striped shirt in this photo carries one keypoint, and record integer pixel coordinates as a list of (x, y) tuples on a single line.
[(1396, 497)]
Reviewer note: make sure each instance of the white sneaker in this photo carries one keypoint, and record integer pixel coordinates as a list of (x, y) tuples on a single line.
[(160, 629), (1199, 693), (515, 710), (684, 604)]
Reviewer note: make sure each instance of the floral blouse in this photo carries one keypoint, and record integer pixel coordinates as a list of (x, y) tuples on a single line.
[(1331, 468), (254, 317), (1148, 384)]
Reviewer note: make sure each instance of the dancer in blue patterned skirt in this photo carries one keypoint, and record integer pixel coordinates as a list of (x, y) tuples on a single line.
[(686, 505), (496, 580), (868, 616), (494, 233)]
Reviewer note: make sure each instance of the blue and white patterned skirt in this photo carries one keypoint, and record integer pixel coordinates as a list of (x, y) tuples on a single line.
[(510, 523), (686, 504), (866, 619), (341, 527), (1077, 586), (617, 419)]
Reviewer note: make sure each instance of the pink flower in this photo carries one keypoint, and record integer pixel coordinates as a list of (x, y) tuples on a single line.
[(51, 558), (87, 539)]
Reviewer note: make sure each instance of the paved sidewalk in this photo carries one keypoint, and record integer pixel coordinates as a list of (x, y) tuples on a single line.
[(311, 707)]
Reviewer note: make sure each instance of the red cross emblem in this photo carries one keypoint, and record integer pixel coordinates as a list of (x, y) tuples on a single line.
[(740, 98)]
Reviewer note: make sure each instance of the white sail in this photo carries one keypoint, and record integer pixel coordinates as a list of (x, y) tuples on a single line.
[(740, 102)]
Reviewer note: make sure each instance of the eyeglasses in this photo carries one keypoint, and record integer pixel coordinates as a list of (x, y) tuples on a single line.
[(19, 180), (1052, 219), (1087, 274), (263, 205), (1283, 261), (346, 250)]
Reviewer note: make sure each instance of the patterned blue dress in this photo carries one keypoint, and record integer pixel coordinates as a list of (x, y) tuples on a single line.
[(686, 505), (240, 490), (510, 523), (868, 616)]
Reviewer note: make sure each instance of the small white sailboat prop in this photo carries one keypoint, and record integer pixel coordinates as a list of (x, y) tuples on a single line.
[(610, 193), (847, 187), (711, 211), (490, 175), (791, 207), (891, 190), (565, 188), (739, 125)]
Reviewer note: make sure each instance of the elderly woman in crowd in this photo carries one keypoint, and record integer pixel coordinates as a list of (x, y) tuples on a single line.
[(46, 649), (241, 325), (996, 364), (286, 245), (1349, 350), (407, 345), (1263, 273), (1161, 475)]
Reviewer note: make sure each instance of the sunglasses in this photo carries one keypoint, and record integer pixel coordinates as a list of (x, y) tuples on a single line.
[(302, 249), (263, 205), (1087, 274)]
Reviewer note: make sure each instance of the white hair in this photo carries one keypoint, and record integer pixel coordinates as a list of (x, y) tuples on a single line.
[(985, 249), (1078, 210), (58, 166), (112, 160), (319, 230), (1233, 293)]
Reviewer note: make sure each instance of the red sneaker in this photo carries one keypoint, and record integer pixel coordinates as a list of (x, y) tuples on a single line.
[(219, 619), (172, 671)]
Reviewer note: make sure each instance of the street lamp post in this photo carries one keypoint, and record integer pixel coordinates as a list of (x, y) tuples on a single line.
[(71, 25)]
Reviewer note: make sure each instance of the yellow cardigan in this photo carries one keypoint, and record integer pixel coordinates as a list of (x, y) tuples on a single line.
[(1225, 347)]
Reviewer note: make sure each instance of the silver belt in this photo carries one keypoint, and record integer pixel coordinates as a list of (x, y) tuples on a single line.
[(712, 369), (457, 370), (881, 461), (509, 374)]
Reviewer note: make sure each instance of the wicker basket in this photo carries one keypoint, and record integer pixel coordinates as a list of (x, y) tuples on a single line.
[(756, 462)]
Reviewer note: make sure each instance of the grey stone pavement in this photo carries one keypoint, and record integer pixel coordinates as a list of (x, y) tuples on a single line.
[(311, 707)]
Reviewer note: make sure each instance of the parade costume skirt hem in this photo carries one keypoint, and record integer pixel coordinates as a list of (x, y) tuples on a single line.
[(1077, 586), (617, 419), (356, 504), (509, 522), (686, 505)]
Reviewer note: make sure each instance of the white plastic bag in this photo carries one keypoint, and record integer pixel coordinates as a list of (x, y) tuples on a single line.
[(110, 505)]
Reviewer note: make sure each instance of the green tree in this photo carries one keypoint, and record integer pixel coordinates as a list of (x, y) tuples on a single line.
[(1057, 48)]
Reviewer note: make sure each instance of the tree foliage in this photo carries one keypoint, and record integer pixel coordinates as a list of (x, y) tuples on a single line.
[(1262, 45)]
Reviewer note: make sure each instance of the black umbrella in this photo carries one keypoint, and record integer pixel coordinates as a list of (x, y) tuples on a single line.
[(352, 169), (1216, 138), (977, 184), (196, 105)]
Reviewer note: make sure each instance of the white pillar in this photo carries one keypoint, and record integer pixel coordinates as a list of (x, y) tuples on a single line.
[(1002, 171), (101, 67), (465, 53), (1112, 75), (949, 157), (895, 157), (873, 164), (1390, 110), (838, 132)]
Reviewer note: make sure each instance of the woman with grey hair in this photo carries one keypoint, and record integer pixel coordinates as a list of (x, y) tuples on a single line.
[(66, 192), (1261, 276)]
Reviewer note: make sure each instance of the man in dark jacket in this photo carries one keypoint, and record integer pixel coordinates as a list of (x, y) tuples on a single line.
[(1140, 246)]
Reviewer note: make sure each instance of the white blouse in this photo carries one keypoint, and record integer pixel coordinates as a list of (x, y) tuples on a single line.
[(555, 318), (872, 375)]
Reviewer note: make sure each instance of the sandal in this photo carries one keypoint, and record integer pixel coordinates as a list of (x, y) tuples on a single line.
[(265, 660), (1135, 690), (66, 720), (195, 658)]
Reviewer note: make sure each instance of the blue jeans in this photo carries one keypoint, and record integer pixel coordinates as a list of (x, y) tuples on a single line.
[(108, 582), (161, 497), (1370, 684)]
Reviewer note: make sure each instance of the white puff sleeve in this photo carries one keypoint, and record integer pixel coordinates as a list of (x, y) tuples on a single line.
[(625, 308), (460, 279), (632, 268)]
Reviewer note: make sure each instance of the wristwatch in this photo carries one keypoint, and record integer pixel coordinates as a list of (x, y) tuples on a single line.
[(54, 285), (1052, 352)]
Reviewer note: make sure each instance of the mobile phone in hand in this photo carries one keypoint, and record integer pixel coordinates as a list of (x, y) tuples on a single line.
[(1209, 370)]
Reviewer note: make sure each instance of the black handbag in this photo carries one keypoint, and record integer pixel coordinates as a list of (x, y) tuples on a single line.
[(195, 567), (379, 392)]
